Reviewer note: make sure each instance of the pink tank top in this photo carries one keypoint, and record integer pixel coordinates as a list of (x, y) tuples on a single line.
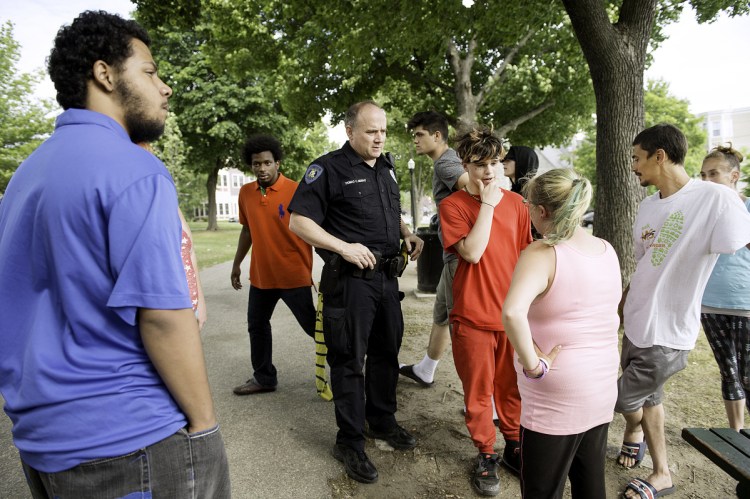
[(579, 312), (187, 247)]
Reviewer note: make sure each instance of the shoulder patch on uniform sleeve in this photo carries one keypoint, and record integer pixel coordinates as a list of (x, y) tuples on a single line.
[(314, 171)]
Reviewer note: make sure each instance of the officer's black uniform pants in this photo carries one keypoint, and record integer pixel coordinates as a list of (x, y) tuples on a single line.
[(362, 320)]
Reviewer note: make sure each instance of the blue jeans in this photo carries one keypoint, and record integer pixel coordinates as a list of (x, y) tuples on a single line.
[(260, 306), (181, 466)]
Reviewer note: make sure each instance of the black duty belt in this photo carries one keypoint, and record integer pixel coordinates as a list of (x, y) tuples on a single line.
[(390, 266)]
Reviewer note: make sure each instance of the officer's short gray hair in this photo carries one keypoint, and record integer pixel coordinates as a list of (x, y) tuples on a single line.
[(350, 118)]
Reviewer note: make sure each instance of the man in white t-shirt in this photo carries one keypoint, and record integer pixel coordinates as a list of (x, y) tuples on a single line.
[(679, 233)]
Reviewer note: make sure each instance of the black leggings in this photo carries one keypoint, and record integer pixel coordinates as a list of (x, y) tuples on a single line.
[(546, 460), (729, 337)]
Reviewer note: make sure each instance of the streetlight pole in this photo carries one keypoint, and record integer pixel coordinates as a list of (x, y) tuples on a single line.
[(410, 164)]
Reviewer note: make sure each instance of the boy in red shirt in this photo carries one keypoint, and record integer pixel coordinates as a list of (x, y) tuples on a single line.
[(487, 227)]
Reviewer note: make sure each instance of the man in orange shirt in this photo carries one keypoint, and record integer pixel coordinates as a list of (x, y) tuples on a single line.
[(280, 264)]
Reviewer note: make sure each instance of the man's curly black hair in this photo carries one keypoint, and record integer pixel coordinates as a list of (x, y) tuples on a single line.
[(259, 143), (93, 36)]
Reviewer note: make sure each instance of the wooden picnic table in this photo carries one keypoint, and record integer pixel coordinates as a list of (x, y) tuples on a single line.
[(728, 449)]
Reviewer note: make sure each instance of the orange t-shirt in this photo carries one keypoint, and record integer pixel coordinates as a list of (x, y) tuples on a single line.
[(479, 289), (279, 259)]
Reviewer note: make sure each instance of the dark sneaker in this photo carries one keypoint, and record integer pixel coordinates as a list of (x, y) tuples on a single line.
[(512, 457), (251, 387), (357, 465), (485, 479), (397, 437), (408, 371)]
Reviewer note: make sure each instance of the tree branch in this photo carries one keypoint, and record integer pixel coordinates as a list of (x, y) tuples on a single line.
[(417, 71), (499, 71), (513, 124), (454, 58)]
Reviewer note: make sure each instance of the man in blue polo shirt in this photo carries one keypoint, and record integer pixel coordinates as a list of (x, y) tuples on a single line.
[(101, 368)]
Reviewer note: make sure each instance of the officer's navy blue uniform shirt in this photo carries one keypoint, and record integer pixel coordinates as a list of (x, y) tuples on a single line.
[(352, 200)]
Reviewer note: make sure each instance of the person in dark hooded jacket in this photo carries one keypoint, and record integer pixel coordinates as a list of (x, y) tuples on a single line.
[(519, 165)]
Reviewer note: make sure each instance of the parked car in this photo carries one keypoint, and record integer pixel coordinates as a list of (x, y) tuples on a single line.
[(588, 219)]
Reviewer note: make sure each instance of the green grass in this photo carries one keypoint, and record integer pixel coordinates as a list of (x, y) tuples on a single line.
[(212, 247)]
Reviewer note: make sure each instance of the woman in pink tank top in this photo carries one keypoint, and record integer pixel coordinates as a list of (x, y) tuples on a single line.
[(563, 300)]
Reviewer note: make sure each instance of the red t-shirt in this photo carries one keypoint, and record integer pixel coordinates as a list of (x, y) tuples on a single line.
[(279, 259), (479, 289)]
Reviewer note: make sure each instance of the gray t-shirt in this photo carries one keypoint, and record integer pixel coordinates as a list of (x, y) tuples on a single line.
[(446, 171)]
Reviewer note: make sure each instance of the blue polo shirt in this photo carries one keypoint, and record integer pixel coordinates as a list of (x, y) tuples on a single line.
[(89, 233)]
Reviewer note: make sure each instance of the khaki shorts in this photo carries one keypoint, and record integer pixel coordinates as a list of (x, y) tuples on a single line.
[(644, 372), (444, 294)]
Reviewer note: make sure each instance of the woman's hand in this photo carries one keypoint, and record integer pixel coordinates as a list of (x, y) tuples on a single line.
[(549, 358)]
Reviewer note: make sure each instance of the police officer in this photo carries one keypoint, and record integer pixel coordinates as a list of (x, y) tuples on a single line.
[(348, 208)]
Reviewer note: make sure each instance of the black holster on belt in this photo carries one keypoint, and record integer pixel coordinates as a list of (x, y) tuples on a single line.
[(392, 267), (331, 273)]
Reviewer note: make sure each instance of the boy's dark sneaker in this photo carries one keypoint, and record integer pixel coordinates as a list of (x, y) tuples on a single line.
[(357, 465), (485, 480)]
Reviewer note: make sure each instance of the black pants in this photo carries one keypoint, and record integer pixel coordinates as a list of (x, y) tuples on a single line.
[(260, 307), (363, 327), (547, 459)]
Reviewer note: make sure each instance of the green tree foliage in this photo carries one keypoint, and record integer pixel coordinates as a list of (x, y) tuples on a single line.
[(745, 172), (23, 119), (660, 107), (515, 66), (190, 184), (215, 110), (302, 146)]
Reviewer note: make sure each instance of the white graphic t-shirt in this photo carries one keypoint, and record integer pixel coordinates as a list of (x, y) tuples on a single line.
[(677, 242)]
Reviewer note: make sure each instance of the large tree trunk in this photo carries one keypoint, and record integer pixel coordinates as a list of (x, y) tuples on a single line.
[(211, 181), (616, 57)]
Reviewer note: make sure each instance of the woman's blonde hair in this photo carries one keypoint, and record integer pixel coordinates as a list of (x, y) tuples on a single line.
[(732, 157), (566, 195)]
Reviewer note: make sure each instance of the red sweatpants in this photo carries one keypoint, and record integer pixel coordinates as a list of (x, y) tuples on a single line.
[(484, 361)]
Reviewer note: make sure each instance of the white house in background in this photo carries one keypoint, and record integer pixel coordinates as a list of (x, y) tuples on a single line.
[(728, 125), (557, 157), (228, 185)]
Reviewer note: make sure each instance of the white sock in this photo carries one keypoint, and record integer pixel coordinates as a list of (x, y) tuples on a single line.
[(426, 368)]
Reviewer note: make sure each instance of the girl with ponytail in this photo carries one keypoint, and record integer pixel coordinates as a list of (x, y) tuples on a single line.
[(563, 300)]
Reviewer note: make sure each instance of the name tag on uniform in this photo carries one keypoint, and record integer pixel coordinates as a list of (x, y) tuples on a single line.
[(357, 181)]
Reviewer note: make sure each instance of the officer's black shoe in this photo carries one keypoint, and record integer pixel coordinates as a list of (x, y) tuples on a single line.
[(397, 437), (358, 466)]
